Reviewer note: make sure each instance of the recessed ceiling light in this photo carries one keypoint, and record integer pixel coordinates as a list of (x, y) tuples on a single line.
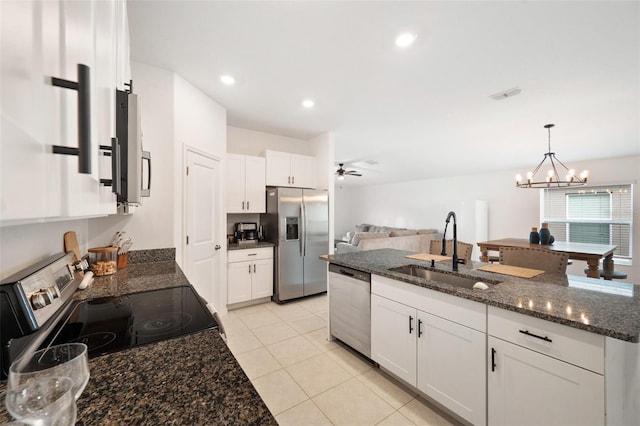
[(227, 79), (308, 103), (405, 39)]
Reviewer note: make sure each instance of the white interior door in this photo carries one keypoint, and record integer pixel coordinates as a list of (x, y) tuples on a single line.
[(202, 209)]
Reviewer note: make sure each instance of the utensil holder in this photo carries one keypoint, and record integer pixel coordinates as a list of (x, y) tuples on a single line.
[(123, 260)]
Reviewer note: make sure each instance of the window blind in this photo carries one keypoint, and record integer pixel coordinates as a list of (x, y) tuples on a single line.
[(597, 215)]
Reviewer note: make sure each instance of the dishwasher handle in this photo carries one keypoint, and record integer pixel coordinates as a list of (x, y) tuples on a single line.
[(349, 272)]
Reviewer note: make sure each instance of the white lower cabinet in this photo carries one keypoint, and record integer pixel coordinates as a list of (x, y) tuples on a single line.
[(250, 274), (441, 357), (451, 366), (528, 388), (542, 373), (393, 337)]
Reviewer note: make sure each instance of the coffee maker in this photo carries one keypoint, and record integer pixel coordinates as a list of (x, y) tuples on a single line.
[(246, 232)]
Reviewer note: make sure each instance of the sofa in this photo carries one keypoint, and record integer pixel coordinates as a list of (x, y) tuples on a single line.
[(371, 237)]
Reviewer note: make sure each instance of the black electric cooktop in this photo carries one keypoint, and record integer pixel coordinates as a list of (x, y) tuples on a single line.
[(111, 324)]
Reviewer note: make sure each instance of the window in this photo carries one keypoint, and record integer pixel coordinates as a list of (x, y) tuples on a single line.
[(596, 215)]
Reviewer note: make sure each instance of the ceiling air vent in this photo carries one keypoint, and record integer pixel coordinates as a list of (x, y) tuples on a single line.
[(506, 94)]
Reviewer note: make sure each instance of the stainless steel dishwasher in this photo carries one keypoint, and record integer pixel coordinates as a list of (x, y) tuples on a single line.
[(350, 307)]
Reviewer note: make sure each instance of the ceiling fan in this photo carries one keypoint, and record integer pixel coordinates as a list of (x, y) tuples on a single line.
[(341, 172)]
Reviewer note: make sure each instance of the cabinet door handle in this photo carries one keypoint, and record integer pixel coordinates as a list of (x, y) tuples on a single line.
[(410, 324), (249, 268), (83, 87), (116, 171), (146, 192), (254, 268), (528, 333), (243, 205), (252, 254), (493, 359), (247, 205), (419, 328), (113, 151), (288, 179), (293, 180)]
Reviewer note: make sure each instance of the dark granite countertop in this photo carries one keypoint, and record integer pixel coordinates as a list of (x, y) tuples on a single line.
[(579, 302), (257, 244), (192, 379)]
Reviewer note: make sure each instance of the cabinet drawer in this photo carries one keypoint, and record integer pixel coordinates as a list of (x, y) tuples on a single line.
[(457, 309), (559, 341), (243, 255)]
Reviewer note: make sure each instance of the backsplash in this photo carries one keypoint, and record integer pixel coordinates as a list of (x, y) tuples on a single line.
[(233, 218), (152, 255)]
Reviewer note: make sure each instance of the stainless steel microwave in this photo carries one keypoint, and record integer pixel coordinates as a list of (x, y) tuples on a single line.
[(135, 164)]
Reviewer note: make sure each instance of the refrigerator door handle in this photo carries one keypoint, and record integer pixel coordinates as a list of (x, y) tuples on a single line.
[(303, 231)]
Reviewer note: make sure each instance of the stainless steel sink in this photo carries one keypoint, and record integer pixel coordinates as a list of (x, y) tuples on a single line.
[(431, 275)]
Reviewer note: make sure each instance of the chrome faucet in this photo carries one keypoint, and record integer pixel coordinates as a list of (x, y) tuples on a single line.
[(455, 240)]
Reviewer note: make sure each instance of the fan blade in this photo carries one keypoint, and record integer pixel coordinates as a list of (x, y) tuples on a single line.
[(352, 173)]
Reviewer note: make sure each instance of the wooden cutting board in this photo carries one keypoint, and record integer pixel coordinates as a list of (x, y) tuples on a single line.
[(71, 244), (514, 271), (428, 257)]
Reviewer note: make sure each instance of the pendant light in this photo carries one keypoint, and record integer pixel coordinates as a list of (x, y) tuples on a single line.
[(556, 176)]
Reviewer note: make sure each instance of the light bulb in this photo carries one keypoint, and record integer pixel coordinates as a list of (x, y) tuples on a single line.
[(308, 103), (405, 39), (518, 179), (340, 177), (584, 174), (227, 79), (529, 175)]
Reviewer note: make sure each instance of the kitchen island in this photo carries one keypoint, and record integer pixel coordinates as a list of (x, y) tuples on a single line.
[(553, 350), (603, 307), (192, 379)]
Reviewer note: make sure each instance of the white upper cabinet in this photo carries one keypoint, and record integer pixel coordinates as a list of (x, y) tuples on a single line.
[(29, 113), (303, 171), (38, 115), (245, 184), (292, 170)]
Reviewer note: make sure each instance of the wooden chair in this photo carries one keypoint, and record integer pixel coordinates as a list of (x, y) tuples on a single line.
[(464, 249), (535, 258)]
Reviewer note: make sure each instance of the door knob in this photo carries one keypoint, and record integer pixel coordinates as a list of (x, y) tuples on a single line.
[(218, 247)]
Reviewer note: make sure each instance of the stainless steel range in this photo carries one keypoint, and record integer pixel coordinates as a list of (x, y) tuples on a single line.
[(37, 310)]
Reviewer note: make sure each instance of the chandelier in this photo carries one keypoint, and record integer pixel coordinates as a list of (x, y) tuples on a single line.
[(554, 174)]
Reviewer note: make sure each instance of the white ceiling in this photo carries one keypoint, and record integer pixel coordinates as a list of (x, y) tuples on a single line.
[(420, 112)]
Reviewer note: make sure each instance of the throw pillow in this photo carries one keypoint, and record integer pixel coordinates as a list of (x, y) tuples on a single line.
[(367, 236), (362, 228)]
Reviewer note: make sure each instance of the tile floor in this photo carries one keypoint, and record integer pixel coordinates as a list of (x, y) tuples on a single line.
[(306, 380)]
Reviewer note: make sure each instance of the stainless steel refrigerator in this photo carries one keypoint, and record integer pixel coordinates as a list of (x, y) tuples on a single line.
[(297, 222)]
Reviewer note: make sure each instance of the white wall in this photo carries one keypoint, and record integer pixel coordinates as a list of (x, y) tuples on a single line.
[(200, 125), (152, 224), (322, 146), (24, 245), (252, 142), (512, 211), (200, 122)]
